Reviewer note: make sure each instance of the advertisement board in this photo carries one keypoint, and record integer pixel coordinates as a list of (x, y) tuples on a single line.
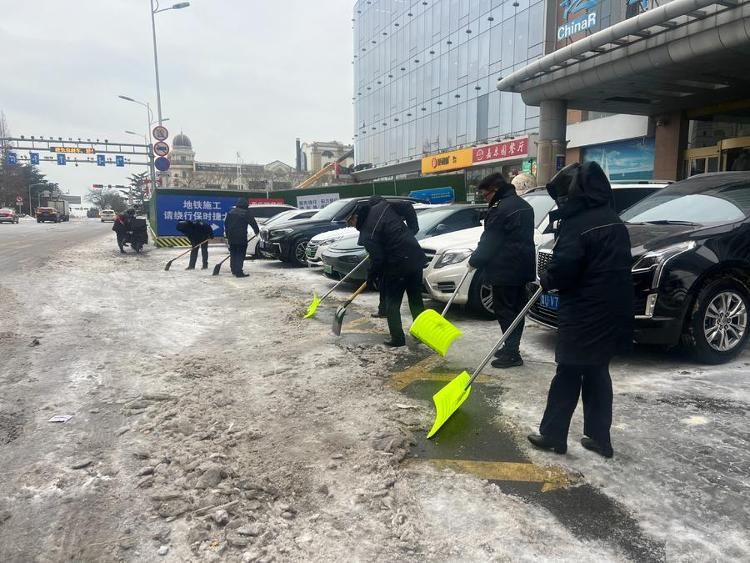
[(317, 201), (506, 150), (453, 160), (435, 195), (632, 159)]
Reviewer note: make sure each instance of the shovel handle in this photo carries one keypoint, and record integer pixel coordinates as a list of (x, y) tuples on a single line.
[(505, 335), (455, 291), (342, 280), (360, 289)]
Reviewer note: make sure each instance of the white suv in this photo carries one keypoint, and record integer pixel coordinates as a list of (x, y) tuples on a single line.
[(448, 254)]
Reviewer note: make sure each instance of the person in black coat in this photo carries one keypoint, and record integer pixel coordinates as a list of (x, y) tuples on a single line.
[(198, 233), (506, 256), (396, 259), (590, 269), (235, 230), (120, 227)]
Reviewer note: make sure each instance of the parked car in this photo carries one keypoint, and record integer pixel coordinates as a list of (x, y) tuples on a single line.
[(44, 214), (262, 212), (288, 215), (287, 241), (8, 215), (448, 253), (342, 256), (319, 243), (107, 215), (691, 266)]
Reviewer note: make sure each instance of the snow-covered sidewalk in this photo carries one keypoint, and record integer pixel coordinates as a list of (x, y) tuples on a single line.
[(211, 423)]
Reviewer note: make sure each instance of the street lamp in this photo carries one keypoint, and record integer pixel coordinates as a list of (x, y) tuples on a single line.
[(150, 140), (154, 11)]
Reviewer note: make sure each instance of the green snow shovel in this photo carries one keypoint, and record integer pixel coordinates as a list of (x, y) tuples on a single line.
[(452, 396), (435, 330), (217, 268), (318, 300), (338, 318)]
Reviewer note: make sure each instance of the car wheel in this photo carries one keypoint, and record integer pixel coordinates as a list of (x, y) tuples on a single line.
[(480, 296), (299, 257), (717, 330)]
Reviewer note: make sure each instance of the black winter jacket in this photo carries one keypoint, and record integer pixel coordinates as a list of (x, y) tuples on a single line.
[(506, 250), (390, 243), (196, 231), (590, 268), (236, 223)]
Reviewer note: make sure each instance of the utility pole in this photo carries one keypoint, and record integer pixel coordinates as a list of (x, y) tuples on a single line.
[(239, 172)]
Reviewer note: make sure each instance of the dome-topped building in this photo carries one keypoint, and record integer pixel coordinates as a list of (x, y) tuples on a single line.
[(182, 141)]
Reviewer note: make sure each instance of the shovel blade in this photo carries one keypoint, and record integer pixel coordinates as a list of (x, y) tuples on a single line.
[(217, 268), (338, 320), (169, 265), (435, 331), (313, 306), (449, 399)]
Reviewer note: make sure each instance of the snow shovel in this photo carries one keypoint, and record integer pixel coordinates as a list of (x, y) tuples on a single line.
[(318, 300), (452, 396), (433, 329), (217, 268), (169, 264), (338, 318)]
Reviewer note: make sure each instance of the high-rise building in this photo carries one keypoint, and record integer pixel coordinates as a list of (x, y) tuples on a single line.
[(424, 81)]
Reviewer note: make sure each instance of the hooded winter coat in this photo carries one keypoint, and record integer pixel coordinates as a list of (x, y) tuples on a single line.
[(236, 223), (506, 250), (390, 243), (590, 268), (196, 231)]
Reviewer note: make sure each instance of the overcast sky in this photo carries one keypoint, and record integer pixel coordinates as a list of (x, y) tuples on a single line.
[(245, 76)]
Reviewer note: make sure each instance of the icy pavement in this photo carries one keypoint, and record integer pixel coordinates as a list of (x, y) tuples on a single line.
[(210, 423)]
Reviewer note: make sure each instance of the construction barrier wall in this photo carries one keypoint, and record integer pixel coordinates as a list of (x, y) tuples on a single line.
[(297, 198)]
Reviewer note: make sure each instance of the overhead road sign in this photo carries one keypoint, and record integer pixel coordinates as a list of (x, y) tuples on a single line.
[(119, 160), (61, 159), (101, 160), (73, 150), (34, 158), (12, 159)]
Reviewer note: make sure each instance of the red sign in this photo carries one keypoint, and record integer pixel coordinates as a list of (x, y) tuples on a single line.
[(262, 200), (507, 150)]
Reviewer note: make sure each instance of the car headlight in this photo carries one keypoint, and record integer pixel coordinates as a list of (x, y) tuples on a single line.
[(453, 257), (328, 241), (656, 259), (278, 232)]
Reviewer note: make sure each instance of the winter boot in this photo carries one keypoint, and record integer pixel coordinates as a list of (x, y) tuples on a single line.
[(604, 450), (508, 360), (544, 443)]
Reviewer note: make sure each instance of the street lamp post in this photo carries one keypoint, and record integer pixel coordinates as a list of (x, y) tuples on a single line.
[(154, 11), (150, 140)]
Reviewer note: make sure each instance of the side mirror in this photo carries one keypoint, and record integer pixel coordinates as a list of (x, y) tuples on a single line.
[(441, 229)]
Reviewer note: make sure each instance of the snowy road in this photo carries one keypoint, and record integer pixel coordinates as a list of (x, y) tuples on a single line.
[(210, 423)]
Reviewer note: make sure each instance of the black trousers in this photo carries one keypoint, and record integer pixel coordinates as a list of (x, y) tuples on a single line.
[(508, 300), (194, 253), (382, 309), (594, 385), (395, 287), (237, 257)]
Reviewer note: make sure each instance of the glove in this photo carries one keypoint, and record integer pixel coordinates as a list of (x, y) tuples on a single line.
[(373, 280)]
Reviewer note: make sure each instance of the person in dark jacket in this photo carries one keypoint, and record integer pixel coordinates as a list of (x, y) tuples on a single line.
[(235, 230), (506, 256), (120, 227), (198, 233), (396, 259), (590, 269)]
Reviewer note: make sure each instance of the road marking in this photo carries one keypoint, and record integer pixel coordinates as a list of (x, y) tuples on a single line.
[(552, 477), (427, 370)]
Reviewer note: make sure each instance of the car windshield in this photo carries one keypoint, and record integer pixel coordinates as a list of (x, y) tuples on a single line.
[(331, 210), (696, 201), (430, 218), (541, 203), (283, 216)]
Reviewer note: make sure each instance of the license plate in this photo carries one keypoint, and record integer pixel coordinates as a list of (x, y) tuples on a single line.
[(327, 268), (550, 301)]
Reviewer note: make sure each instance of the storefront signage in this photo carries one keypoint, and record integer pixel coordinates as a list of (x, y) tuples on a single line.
[(577, 16), (266, 200), (443, 162), (507, 150)]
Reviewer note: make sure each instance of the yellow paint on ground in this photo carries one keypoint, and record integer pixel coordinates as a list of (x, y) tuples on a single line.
[(552, 478), (427, 370)]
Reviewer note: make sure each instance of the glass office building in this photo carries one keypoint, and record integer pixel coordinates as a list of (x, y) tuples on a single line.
[(425, 74)]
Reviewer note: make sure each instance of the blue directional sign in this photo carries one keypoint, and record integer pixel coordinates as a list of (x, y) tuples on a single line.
[(12, 159), (435, 195), (101, 160), (34, 157), (61, 159), (119, 160), (162, 164)]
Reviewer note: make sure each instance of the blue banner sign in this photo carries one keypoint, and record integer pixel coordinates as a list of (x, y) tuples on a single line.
[(34, 158), (210, 209), (435, 195)]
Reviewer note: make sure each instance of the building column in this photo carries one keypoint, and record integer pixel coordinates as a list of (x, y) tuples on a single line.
[(551, 147), (670, 142)]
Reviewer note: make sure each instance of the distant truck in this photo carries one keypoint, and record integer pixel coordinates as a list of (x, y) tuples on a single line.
[(62, 207)]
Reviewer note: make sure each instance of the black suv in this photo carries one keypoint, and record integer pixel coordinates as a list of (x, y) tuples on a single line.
[(287, 241), (691, 266)]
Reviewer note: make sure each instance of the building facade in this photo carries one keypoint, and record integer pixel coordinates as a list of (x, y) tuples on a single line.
[(187, 172), (425, 72), (317, 154)]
